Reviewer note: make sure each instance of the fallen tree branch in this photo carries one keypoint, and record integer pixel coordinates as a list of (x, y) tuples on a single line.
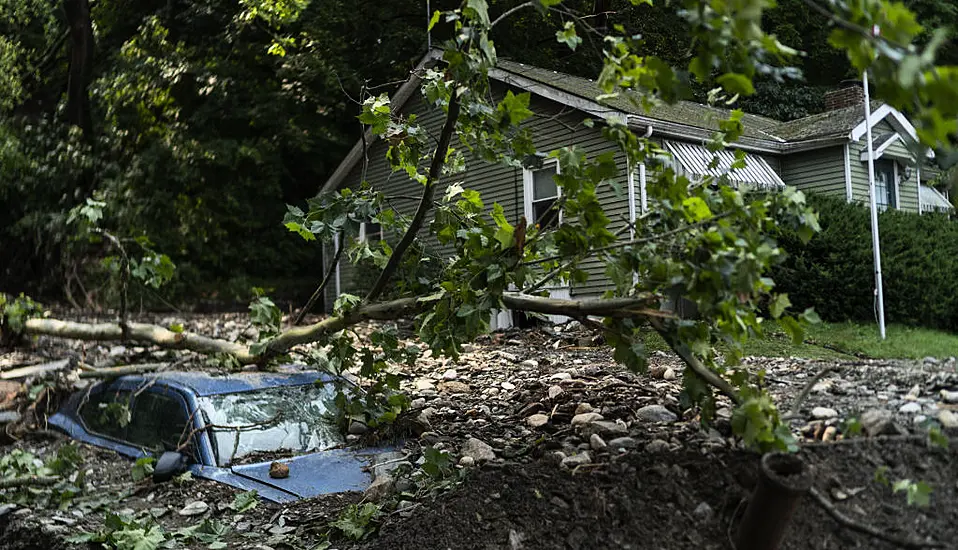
[(802, 395), (138, 332), (425, 203), (29, 481), (693, 362), (869, 530)]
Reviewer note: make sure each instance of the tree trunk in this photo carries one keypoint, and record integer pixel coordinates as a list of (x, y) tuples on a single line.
[(81, 65)]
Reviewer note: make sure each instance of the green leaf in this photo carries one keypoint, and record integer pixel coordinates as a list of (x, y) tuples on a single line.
[(243, 502), (568, 36), (434, 19), (696, 209), (737, 83), (176, 327), (142, 468), (778, 305)]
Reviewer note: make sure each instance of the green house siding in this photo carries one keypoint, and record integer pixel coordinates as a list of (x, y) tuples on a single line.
[(907, 189), (818, 171), (552, 127)]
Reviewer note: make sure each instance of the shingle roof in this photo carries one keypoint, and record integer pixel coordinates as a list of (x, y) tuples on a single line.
[(828, 124), (684, 112)]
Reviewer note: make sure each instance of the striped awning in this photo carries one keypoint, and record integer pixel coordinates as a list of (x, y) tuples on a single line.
[(932, 200), (696, 160)]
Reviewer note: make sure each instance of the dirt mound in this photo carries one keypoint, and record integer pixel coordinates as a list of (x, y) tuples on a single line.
[(678, 501)]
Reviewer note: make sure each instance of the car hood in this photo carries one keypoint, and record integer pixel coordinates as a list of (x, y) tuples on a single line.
[(331, 471)]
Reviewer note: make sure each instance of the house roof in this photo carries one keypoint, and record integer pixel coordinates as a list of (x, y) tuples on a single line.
[(931, 199), (836, 123), (685, 120), (687, 113)]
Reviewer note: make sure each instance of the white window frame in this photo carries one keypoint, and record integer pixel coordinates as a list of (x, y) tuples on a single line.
[(894, 181), (643, 196), (363, 237), (528, 188)]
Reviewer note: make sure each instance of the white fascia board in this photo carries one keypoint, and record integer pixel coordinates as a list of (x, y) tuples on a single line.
[(897, 120), (398, 100), (849, 196)]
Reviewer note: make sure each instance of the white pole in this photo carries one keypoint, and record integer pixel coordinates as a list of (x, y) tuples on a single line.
[(874, 208), (428, 30)]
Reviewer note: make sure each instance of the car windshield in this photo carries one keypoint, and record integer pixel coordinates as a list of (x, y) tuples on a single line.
[(292, 419)]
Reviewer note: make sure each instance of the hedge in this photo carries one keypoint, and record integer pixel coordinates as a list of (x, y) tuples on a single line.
[(834, 271)]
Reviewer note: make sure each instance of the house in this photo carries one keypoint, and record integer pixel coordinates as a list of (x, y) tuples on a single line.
[(824, 153)]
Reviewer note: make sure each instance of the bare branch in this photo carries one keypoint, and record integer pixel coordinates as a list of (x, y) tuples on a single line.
[(509, 12), (322, 286), (869, 530), (29, 481), (114, 372)]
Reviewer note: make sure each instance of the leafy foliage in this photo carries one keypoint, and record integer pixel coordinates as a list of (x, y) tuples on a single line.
[(833, 271), (244, 502), (357, 522), (14, 312), (21, 464), (142, 468)]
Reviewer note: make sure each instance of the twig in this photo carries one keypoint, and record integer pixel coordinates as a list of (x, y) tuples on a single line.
[(865, 529), (322, 285), (509, 12), (644, 240), (793, 412), (236, 429), (425, 203)]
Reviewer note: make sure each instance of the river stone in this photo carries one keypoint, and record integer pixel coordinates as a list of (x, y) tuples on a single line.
[(878, 422), (623, 443), (194, 508), (910, 408), (585, 418), (583, 408), (381, 488), (597, 443), (576, 460), (554, 391), (948, 419), (823, 413), (949, 396), (606, 428), (537, 420), (655, 413), (478, 450)]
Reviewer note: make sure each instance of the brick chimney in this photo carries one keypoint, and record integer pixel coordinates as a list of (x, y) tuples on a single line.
[(852, 94)]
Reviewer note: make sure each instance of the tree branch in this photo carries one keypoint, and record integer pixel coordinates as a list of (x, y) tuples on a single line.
[(29, 481), (138, 332), (850, 523), (694, 363), (322, 285), (509, 12), (425, 203)]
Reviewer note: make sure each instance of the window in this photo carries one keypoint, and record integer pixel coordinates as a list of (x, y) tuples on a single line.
[(107, 413), (370, 232), (886, 184), (541, 193), (159, 422)]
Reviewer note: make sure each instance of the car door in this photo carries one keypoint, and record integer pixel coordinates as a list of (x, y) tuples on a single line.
[(104, 416)]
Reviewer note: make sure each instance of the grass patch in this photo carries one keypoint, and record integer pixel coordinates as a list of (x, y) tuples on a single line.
[(844, 341)]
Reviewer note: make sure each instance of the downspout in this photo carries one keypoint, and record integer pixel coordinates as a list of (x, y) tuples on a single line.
[(642, 191)]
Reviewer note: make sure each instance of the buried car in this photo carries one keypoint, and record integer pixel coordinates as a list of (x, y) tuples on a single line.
[(229, 429)]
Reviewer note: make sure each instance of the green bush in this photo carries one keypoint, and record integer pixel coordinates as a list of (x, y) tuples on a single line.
[(834, 271)]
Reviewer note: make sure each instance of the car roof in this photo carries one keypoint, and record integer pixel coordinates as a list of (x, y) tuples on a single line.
[(205, 383)]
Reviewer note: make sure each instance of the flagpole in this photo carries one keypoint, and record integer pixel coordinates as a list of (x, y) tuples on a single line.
[(874, 208)]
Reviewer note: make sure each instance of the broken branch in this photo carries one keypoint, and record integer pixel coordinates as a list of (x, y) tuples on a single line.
[(869, 530), (425, 203), (29, 481)]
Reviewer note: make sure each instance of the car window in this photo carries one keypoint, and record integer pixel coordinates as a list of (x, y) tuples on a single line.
[(159, 422), (107, 413)]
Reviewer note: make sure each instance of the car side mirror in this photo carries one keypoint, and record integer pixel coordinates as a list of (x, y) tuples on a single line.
[(169, 464)]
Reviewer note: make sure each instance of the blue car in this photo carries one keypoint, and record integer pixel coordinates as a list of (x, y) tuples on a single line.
[(229, 429)]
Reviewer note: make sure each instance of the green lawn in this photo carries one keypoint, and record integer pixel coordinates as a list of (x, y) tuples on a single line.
[(847, 340)]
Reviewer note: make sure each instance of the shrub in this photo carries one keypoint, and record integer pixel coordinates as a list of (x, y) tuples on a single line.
[(834, 272)]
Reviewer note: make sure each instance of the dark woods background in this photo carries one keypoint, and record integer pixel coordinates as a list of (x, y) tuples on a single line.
[(197, 121)]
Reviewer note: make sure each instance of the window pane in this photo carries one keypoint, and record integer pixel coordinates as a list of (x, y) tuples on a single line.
[(107, 413), (159, 421), (543, 184), (543, 215)]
